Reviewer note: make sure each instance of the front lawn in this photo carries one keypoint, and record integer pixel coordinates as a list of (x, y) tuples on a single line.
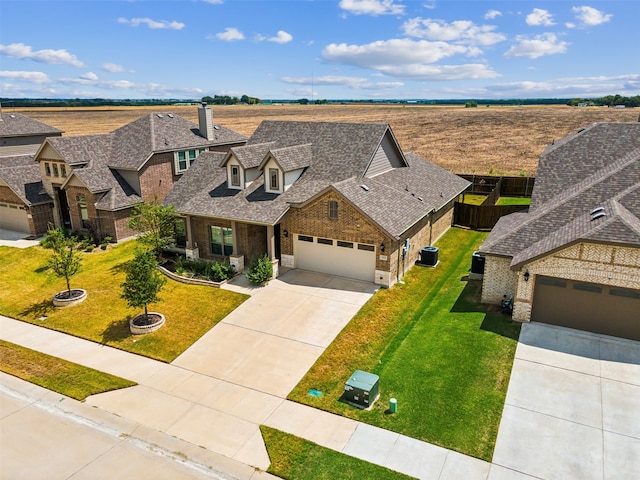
[(67, 378), (294, 458), (26, 288), (445, 357)]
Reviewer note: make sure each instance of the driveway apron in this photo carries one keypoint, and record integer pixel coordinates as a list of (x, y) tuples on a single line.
[(572, 408), (218, 392)]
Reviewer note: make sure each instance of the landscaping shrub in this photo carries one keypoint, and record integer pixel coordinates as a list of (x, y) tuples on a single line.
[(260, 270), (219, 272)]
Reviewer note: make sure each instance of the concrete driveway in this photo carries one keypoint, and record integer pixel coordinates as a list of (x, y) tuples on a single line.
[(218, 392), (271, 340), (572, 409)]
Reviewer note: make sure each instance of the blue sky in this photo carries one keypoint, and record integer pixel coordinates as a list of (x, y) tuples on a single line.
[(341, 49)]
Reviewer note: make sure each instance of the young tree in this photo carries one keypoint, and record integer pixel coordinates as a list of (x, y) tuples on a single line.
[(156, 224), (64, 260), (143, 281)]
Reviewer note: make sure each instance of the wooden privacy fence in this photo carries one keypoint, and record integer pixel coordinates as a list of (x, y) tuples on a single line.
[(507, 186), (482, 217)]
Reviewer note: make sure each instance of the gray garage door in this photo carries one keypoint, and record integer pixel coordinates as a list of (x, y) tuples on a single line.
[(587, 306), (14, 217)]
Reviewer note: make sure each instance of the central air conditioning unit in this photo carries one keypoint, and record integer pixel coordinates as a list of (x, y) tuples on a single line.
[(428, 257), (477, 266)]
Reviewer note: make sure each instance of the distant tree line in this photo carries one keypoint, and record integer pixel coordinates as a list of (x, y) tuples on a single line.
[(227, 100), (609, 101)]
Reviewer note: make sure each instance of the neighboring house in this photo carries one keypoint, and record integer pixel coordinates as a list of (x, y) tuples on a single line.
[(338, 198), (574, 258), (24, 206), (21, 135), (95, 180)]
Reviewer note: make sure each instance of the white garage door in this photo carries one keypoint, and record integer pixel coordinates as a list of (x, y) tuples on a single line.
[(14, 217), (345, 259)]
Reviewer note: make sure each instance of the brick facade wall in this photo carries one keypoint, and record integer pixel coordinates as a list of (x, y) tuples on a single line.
[(115, 224), (41, 218), (351, 225), (7, 196), (72, 192), (498, 280), (585, 262), (157, 178)]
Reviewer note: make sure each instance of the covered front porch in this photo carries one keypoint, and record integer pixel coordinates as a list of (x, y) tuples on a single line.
[(223, 239)]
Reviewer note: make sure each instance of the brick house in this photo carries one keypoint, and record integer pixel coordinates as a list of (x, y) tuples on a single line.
[(95, 180), (574, 258), (24, 207), (338, 198)]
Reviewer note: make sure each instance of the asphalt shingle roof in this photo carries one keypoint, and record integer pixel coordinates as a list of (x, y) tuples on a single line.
[(610, 179), (333, 155), (18, 125), (95, 158), (22, 175)]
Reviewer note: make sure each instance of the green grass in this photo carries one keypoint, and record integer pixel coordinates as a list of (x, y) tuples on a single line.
[(473, 199), (514, 201), (294, 458), (55, 374), (445, 357), (26, 289)]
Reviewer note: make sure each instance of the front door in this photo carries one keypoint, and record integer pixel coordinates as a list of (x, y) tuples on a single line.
[(63, 205), (276, 234)]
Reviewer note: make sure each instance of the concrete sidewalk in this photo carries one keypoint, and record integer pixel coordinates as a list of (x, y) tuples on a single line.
[(223, 417)]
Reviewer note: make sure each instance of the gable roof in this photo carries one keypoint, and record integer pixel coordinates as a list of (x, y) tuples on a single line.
[(395, 200), (248, 156), (23, 177), (97, 158), (19, 125), (565, 218)]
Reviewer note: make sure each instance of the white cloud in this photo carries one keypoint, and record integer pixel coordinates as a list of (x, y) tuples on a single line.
[(230, 34), (570, 25), (213, 2), (406, 58), (491, 14), (22, 51), (540, 45), (539, 17), (38, 78), (463, 31), (113, 67), (390, 52), (281, 37), (152, 24), (590, 16), (372, 7), (355, 83), (90, 76)]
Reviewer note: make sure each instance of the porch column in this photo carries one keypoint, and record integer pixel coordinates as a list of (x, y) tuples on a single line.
[(271, 242), (271, 250), (187, 223), (234, 237)]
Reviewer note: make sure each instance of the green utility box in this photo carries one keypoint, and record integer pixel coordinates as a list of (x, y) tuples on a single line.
[(361, 390)]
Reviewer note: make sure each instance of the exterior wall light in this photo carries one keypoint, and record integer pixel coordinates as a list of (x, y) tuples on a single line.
[(286, 233), (382, 247), (526, 276)]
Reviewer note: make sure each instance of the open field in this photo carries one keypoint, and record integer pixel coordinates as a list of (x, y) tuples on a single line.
[(495, 140)]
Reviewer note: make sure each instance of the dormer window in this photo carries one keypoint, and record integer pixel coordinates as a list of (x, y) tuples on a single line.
[(274, 176), (235, 176)]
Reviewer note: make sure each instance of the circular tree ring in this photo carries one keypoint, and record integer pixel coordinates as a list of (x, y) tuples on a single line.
[(67, 298), (140, 325)]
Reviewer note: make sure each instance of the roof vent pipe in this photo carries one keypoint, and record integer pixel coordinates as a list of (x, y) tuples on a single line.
[(205, 121)]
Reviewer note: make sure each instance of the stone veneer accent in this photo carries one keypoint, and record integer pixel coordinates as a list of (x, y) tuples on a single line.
[(586, 262)]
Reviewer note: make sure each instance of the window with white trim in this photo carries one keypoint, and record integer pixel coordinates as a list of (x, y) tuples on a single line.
[(82, 208), (47, 169), (185, 158), (235, 175), (274, 175)]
